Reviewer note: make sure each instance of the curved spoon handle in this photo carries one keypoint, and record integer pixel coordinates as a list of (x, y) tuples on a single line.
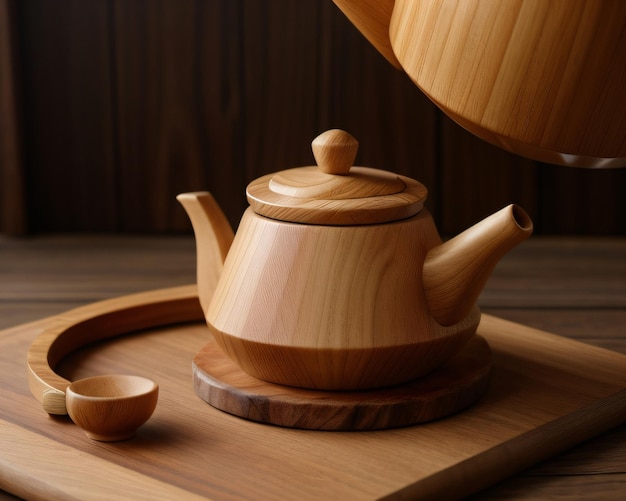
[(97, 321)]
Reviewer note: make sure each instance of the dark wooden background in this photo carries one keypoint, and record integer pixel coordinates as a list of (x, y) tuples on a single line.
[(111, 107)]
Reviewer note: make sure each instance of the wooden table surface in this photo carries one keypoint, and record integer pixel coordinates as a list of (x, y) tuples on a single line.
[(573, 287)]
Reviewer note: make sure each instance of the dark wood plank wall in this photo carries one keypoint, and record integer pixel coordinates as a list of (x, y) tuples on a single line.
[(122, 104), (12, 213)]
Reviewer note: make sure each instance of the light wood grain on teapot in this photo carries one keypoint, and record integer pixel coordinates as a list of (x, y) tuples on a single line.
[(465, 262), (214, 236), (365, 208), (330, 306), (334, 151), (342, 302), (311, 182)]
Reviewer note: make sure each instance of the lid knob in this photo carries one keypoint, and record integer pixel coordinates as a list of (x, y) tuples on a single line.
[(335, 151)]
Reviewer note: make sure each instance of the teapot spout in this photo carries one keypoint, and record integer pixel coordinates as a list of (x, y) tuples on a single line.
[(214, 237), (456, 271)]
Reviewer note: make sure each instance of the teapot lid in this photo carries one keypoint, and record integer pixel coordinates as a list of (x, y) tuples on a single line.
[(334, 192)]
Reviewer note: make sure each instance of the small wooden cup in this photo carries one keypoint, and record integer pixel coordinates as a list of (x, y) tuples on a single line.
[(110, 408)]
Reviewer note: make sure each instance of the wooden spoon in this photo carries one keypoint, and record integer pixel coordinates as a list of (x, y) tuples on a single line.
[(117, 399)]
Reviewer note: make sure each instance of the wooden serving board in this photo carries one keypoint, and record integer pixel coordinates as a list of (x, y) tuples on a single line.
[(546, 394)]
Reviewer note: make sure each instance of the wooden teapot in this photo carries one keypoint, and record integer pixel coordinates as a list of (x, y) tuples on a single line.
[(337, 278), (545, 79)]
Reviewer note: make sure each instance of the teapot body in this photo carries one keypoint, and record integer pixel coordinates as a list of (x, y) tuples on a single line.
[(332, 307)]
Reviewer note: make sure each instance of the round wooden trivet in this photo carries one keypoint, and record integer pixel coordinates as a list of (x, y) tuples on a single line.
[(453, 387)]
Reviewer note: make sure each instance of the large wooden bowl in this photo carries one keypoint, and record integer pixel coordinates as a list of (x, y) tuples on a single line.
[(545, 79)]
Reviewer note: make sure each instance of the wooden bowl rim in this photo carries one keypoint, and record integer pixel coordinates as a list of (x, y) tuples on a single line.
[(147, 387)]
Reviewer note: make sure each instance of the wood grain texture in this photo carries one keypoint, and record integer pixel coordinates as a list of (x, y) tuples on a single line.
[(305, 305), (542, 399), (157, 98), (334, 151), (213, 235), (335, 192), (29, 451), (453, 387), (544, 81), (96, 322), (111, 407), (349, 200), (456, 271), (572, 286)]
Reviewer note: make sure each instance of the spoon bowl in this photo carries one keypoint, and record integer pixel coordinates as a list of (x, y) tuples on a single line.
[(110, 408)]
